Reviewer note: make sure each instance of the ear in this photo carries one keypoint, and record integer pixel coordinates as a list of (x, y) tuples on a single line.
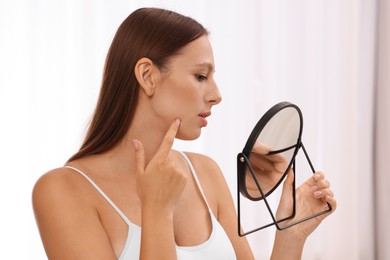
[(145, 72)]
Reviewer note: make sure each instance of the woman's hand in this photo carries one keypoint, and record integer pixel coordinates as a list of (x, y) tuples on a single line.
[(160, 183), (311, 198)]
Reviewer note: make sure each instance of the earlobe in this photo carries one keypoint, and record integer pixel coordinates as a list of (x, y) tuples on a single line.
[(143, 71)]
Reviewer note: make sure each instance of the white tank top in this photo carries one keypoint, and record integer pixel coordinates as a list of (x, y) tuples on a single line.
[(218, 246)]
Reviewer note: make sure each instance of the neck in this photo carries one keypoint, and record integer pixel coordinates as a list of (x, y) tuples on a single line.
[(149, 132)]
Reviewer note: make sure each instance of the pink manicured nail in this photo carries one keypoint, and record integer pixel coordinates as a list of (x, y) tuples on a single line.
[(178, 121), (316, 177), (313, 188)]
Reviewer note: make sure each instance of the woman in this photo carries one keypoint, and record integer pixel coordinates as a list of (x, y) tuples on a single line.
[(158, 85)]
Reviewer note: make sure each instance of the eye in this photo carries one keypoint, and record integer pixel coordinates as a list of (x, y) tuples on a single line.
[(201, 77)]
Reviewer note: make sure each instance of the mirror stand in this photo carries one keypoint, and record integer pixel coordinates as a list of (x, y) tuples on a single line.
[(243, 161)]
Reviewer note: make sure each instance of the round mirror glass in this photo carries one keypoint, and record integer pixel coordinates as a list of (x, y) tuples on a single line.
[(270, 150)]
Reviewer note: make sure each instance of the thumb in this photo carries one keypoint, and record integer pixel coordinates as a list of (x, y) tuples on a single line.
[(139, 157)]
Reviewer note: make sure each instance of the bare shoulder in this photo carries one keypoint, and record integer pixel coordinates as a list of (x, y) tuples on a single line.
[(50, 183), (59, 193), (56, 176), (204, 165), (60, 183), (66, 214)]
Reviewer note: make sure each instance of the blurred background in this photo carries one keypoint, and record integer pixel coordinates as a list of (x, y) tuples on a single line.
[(328, 57)]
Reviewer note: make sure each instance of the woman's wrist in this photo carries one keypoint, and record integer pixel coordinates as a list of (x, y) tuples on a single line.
[(287, 246), (149, 212), (157, 234)]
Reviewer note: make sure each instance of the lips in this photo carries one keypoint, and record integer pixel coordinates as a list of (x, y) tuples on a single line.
[(202, 117)]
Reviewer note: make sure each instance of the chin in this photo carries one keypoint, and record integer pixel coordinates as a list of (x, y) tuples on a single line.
[(188, 136)]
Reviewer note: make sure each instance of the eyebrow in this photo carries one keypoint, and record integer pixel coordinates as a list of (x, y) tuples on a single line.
[(208, 65)]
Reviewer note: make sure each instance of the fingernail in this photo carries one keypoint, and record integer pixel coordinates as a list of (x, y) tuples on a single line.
[(178, 122), (317, 194), (313, 188), (136, 146), (316, 177)]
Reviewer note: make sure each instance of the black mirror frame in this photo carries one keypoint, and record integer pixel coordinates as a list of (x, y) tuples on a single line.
[(252, 140), (243, 163)]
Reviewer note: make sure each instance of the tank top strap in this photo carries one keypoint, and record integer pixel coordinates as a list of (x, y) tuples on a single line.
[(196, 179), (102, 193)]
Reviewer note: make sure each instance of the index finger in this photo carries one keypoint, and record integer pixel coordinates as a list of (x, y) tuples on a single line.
[(167, 142)]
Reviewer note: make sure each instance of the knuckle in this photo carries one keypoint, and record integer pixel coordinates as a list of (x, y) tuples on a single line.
[(164, 163), (182, 178), (169, 140), (324, 184)]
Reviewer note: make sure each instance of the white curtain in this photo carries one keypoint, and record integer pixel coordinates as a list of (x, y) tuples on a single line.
[(327, 57)]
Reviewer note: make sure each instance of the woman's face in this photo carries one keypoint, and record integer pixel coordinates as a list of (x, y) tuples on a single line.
[(187, 90)]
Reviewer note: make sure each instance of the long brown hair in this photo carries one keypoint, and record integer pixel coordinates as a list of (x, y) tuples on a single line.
[(154, 33)]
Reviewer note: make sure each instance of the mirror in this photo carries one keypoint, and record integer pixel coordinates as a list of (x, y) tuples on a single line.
[(268, 156), (270, 149)]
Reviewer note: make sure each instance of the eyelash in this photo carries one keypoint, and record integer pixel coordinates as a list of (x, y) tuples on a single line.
[(200, 77)]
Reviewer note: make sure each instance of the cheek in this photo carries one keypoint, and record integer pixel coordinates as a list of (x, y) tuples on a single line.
[(170, 107), (178, 100)]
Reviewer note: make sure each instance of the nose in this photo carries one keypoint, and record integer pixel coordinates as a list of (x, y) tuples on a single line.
[(214, 96)]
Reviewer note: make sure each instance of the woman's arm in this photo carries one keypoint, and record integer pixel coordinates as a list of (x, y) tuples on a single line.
[(68, 223)]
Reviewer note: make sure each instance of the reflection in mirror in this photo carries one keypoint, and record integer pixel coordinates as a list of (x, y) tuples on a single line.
[(269, 170), (272, 152)]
